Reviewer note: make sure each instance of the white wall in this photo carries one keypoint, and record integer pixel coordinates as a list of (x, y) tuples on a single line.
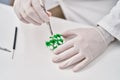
[(5, 1)]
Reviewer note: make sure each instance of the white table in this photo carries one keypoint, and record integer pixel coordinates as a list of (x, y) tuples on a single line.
[(33, 61)]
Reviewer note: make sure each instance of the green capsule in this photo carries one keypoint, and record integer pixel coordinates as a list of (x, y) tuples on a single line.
[(48, 43), (55, 41)]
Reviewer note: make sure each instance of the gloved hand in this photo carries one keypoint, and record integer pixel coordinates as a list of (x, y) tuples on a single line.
[(84, 46), (31, 11)]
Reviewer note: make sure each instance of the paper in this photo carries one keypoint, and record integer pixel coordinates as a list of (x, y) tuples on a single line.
[(33, 60), (7, 29)]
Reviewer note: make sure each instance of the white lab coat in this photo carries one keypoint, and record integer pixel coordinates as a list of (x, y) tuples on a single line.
[(106, 13)]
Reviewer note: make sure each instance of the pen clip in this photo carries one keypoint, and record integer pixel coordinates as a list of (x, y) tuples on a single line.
[(4, 49)]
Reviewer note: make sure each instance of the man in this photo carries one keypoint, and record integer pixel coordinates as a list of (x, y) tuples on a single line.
[(86, 43)]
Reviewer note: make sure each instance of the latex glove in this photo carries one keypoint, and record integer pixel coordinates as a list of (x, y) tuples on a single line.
[(84, 46), (31, 11)]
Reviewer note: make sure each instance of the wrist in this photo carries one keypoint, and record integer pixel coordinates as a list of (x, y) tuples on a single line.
[(108, 38)]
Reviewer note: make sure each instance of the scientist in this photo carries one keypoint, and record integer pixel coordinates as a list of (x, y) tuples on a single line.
[(86, 43)]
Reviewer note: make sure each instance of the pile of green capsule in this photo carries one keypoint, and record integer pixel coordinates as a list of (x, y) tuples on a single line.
[(54, 41)]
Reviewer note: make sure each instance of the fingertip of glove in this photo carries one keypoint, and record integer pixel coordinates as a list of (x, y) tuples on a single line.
[(64, 34), (75, 69), (49, 13), (56, 52), (54, 60), (61, 67)]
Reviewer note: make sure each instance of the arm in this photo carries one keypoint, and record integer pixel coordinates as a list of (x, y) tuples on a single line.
[(111, 22)]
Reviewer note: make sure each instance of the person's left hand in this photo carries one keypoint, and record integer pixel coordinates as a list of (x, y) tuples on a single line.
[(84, 46)]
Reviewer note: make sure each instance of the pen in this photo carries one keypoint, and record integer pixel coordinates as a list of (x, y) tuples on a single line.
[(14, 44)]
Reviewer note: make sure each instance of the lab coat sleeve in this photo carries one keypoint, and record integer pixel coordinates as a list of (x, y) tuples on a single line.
[(111, 22)]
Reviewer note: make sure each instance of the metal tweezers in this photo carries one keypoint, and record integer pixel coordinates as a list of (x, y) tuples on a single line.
[(50, 27)]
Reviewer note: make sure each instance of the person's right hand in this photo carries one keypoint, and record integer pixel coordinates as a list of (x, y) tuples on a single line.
[(31, 11)]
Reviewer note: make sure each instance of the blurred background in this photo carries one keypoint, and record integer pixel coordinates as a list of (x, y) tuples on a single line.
[(8, 2)]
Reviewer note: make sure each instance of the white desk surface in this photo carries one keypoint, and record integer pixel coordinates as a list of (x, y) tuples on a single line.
[(33, 61)]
